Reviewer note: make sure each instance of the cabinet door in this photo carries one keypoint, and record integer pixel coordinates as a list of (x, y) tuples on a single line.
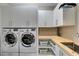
[(59, 17), (19, 16), (6, 17), (64, 54), (77, 23), (0, 17), (43, 43), (45, 18), (11, 17), (69, 16), (77, 18), (57, 49), (49, 18), (0, 31), (56, 17), (41, 18), (32, 16), (52, 44), (54, 23), (25, 16)]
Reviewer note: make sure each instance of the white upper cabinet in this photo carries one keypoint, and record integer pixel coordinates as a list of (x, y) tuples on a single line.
[(0, 16), (58, 16), (6, 17), (77, 17), (69, 16), (77, 23), (0, 30), (45, 18), (19, 16), (64, 16)]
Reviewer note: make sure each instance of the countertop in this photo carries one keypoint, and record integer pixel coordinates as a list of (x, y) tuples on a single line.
[(58, 40)]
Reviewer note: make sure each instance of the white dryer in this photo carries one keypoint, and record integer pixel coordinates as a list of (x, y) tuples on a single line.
[(9, 42), (28, 41)]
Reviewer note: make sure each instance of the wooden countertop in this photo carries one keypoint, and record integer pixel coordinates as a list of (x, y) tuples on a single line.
[(58, 40)]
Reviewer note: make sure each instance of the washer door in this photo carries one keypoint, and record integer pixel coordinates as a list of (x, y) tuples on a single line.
[(28, 39), (10, 39)]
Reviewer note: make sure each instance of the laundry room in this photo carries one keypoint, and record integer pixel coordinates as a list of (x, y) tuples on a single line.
[(39, 29)]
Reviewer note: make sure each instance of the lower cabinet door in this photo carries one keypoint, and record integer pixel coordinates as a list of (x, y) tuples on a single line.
[(57, 50), (60, 53), (64, 54)]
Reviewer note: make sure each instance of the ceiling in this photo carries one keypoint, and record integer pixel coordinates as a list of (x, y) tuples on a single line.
[(47, 6)]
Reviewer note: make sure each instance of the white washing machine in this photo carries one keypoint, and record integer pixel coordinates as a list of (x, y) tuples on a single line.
[(9, 42), (28, 41)]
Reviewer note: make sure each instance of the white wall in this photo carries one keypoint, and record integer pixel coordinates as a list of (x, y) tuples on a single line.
[(47, 31), (68, 32)]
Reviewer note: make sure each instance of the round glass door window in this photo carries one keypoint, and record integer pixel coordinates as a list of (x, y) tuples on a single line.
[(10, 39), (28, 39)]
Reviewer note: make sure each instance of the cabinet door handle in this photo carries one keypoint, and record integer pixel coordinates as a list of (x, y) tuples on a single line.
[(45, 23), (56, 22), (10, 23)]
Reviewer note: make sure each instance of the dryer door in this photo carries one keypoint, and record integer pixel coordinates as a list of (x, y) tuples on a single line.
[(28, 39), (10, 39)]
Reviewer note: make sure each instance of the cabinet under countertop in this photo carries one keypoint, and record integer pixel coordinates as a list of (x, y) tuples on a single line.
[(58, 41)]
